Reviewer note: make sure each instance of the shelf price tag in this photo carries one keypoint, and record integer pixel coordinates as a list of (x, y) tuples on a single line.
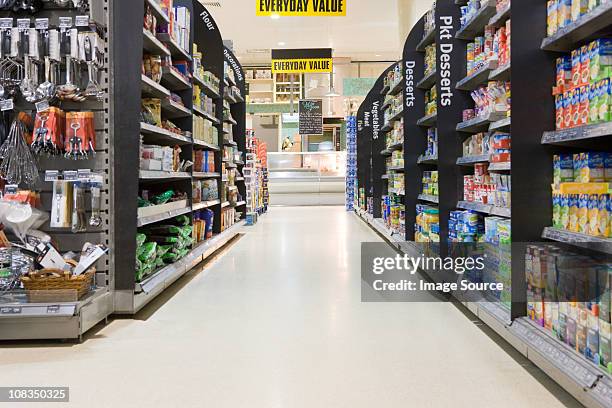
[(7, 105), (41, 23), (53, 309), (42, 106), (10, 310), (6, 23), (70, 175), (65, 22), (82, 21), (84, 174), (23, 23), (11, 189), (51, 175)]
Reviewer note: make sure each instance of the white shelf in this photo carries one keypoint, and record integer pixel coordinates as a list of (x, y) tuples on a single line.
[(157, 10), (162, 215), (155, 134), (162, 175), (152, 45), (174, 80), (173, 110), (175, 49), (204, 204), (202, 175)]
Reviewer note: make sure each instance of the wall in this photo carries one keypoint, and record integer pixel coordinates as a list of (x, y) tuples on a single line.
[(409, 12)]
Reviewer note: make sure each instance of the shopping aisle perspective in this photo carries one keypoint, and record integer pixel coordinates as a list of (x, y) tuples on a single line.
[(278, 321)]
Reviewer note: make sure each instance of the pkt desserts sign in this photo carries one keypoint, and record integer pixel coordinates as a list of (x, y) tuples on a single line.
[(300, 61), (301, 8)]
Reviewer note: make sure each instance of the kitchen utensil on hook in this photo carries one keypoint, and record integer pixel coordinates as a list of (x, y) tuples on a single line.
[(18, 161)]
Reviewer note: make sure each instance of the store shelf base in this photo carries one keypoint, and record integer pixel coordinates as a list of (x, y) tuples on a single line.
[(147, 290), (68, 320)]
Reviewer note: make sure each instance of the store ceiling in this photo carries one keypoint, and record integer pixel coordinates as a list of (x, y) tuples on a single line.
[(369, 32)]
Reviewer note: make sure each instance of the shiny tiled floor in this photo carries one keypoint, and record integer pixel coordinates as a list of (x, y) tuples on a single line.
[(277, 322)]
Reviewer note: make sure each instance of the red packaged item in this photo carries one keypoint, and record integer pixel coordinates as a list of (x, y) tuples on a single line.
[(559, 112), (575, 107), (585, 65), (567, 109)]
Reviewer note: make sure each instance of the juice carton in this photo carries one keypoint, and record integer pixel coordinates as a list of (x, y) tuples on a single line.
[(583, 115), (583, 213), (592, 167), (576, 68), (591, 351), (593, 215), (593, 104), (575, 107), (603, 100), (603, 217), (577, 167), (585, 65), (592, 4), (579, 8), (608, 167), (560, 113), (573, 213), (566, 165), (600, 59), (564, 212), (564, 13), (567, 109), (557, 211), (551, 11)]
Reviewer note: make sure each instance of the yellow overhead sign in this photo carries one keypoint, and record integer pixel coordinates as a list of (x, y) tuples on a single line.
[(302, 8), (300, 66)]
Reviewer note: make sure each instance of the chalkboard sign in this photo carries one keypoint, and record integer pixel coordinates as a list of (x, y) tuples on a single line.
[(311, 117)]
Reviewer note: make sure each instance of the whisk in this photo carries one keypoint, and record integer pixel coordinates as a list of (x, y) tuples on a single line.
[(18, 161)]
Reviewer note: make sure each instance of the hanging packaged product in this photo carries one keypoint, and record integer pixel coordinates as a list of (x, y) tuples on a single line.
[(80, 140), (49, 132)]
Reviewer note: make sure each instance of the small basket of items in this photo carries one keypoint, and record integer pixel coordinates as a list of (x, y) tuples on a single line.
[(62, 279)]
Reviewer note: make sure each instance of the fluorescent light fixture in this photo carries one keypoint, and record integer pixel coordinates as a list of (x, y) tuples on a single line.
[(282, 43), (332, 93), (274, 16)]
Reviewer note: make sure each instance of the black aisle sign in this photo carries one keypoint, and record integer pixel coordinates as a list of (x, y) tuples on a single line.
[(311, 116)]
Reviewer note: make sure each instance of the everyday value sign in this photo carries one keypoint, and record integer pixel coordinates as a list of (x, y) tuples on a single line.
[(301, 8), (302, 61)]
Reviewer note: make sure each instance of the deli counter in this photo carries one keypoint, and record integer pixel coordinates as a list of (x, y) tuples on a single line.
[(310, 178)]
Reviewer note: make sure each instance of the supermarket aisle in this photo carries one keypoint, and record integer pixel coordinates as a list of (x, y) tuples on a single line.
[(278, 322)]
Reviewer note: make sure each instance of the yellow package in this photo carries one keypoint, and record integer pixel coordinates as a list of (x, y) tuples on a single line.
[(552, 17), (593, 210), (583, 214), (573, 213), (603, 216)]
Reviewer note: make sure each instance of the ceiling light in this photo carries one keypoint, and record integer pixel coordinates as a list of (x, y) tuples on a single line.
[(378, 55), (332, 93), (282, 43), (274, 16)]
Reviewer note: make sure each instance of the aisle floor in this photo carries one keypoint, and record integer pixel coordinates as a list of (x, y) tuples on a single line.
[(277, 321)]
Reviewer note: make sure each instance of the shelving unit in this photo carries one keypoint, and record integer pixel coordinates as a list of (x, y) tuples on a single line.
[(532, 70), (131, 295)]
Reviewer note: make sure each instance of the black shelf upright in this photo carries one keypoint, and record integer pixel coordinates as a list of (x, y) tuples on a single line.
[(450, 56), (238, 110), (415, 136)]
